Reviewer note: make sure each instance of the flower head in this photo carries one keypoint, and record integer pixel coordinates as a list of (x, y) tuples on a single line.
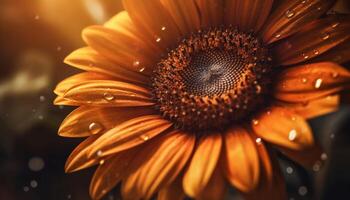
[(188, 97)]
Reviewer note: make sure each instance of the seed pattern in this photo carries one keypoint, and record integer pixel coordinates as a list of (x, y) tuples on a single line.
[(211, 79)]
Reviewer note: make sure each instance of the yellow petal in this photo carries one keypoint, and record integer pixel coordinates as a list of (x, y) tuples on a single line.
[(185, 15), (109, 93), (241, 159), (59, 100), (202, 165), (110, 172), (89, 60), (125, 51), (312, 40), (290, 16), (248, 14), (311, 81), (86, 121), (282, 127), (150, 17), (215, 188), (316, 107), (211, 13), (162, 159), (129, 134)]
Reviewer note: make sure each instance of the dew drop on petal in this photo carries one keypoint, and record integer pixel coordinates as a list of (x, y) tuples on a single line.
[(258, 89), (95, 128), (144, 137), (302, 190), (99, 153), (335, 74), (289, 14), (304, 80), (305, 56), (108, 96), (335, 25), (277, 35), (289, 170), (158, 39), (136, 63), (102, 162), (325, 36), (142, 69), (255, 122), (316, 52), (292, 135), (258, 140), (318, 83), (163, 28)]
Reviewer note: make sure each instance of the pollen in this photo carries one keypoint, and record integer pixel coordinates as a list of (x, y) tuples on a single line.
[(213, 78)]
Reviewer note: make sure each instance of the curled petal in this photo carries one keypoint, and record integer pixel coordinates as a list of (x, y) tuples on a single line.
[(162, 159), (241, 159), (247, 15), (202, 165), (291, 15), (85, 121), (312, 81), (312, 40), (282, 127), (89, 60), (129, 134), (60, 101), (109, 93)]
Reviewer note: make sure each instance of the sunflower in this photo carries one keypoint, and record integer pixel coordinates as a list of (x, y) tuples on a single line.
[(185, 98)]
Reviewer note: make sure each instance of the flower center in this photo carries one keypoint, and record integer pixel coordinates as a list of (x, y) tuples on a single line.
[(212, 79)]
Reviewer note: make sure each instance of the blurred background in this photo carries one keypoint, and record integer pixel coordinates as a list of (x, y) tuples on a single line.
[(35, 36)]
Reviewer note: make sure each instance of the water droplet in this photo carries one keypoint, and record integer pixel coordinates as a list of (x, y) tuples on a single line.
[(102, 162), (305, 56), (26, 188), (158, 39), (289, 170), (95, 128), (33, 183), (302, 190), (108, 96), (335, 25), (163, 28), (294, 118), (292, 135), (316, 52), (277, 35), (325, 36), (36, 164), (304, 80), (136, 63), (258, 140), (42, 98), (335, 74), (37, 17), (289, 14), (318, 83), (142, 69), (319, 8), (99, 153), (144, 137), (324, 156), (258, 89), (255, 122)]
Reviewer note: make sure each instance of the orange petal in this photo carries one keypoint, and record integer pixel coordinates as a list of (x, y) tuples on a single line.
[(89, 60), (69, 82), (59, 100), (85, 121), (185, 15), (211, 12), (202, 165), (282, 127), (312, 157), (312, 81), (312, 40), (162, 159), (270, 188), (129, 52), (129, 134), (215, 188), (110, 172), (150, 17), (339, 54), (292, 15), (317, 107), (241, 159), (248, 14), (109, 93), (78, 159), (173, 191)]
